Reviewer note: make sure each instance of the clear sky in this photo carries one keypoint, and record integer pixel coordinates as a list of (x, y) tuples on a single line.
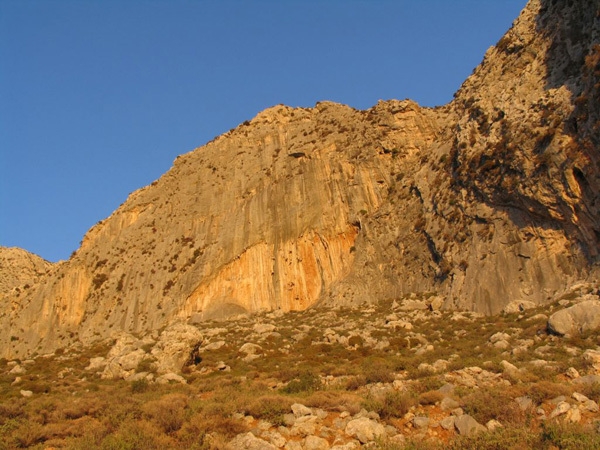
[(98, 97)]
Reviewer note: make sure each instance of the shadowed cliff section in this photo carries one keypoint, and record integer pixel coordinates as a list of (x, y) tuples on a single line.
[(490, 200)]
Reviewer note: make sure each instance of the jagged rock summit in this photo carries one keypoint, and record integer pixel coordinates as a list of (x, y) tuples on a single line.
[(488, 201)]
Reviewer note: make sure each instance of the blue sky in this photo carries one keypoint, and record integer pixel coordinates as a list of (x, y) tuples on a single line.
[(97, 98)]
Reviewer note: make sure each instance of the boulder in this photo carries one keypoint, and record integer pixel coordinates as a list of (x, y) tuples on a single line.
[(365, 430), (560, 409), (315, 443), (175, 347), (304, 426), (170, 377), (584, 316), (96, 363), (114, 371), (130, 361), (593, 358), (436, 303), (493, 425), (447, 423), (499, 336), (448, 404), (352, 445), (524, 403), (213, 346), (249, 442), (250, 349), (467, 425), (420, 422), (263, 328), (300, 410), (17, 370), (587, 379)]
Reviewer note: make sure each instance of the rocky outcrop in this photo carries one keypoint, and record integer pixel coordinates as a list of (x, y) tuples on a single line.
[(486, 202), (20, 270)]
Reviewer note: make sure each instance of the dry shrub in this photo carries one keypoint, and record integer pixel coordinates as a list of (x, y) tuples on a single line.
[(430, 397), (195, 430), (270, 408), (356, 382), (334, 400), (168, 412), (546, 390), (138, 434), (569, 436), (377, 370), (86, 406), (391, 404), (502, 438), (355, 341), (592, 391), (85, 426), (427, 384), (493, 403), (139, 386), (115, 413), (27, 435), (12, 410)]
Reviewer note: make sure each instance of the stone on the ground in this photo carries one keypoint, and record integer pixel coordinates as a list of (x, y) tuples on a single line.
[(560, 409), (584, 316), (365, 430), (420, 422), (448, 404), (170, 377), (315, 443), (96, 363), (467, 425), (175, 346), (300, 410), (493, 425), (249, 442), (261, 328)]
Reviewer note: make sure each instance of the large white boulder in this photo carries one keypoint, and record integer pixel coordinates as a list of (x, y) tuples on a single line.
[(579, 318)]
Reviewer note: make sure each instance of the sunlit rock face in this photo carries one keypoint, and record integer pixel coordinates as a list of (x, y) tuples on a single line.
[(19, 270), (489, 200)]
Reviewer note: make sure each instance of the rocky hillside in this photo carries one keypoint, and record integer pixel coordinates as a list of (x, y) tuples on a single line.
[(389, 376), (490, 200)]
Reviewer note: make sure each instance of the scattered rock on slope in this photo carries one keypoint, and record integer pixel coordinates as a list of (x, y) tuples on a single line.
[(576, 319)]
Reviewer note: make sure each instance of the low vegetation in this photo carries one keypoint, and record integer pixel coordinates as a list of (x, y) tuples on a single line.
[(394, 364)]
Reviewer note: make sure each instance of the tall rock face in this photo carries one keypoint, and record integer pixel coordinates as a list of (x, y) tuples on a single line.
[(485, 201), (526, 145)]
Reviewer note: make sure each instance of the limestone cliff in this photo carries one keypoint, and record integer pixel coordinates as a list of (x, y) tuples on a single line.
[(490, 199), (20, 270)]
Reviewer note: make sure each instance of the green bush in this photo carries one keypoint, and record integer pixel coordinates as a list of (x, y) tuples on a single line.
[(139, 386), (306, 382)]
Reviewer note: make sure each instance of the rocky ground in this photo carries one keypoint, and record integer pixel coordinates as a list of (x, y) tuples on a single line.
[(400, 374)]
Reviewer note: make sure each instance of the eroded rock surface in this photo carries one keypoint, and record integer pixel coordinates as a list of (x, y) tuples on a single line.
[(487, 202)]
